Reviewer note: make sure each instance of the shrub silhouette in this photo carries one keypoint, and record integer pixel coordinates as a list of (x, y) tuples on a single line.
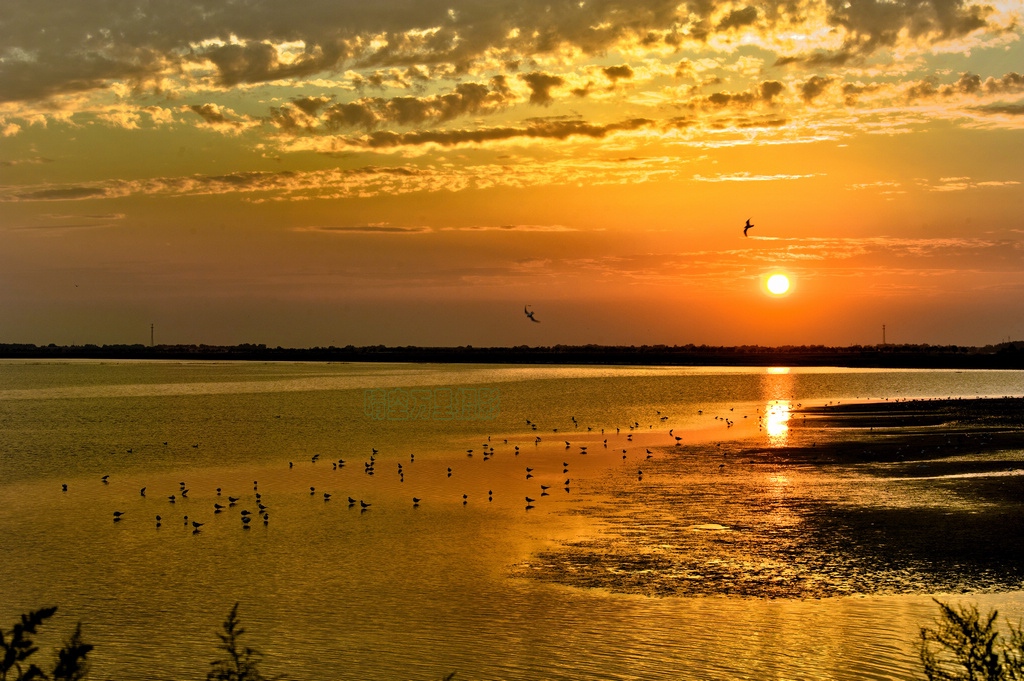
[(17, 646), (964, 646), (241, 663)]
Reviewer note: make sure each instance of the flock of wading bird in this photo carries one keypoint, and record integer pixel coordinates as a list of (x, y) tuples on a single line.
[(487, 451)]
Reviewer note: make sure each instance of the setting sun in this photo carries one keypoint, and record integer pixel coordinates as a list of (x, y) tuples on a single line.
[(778, 284)]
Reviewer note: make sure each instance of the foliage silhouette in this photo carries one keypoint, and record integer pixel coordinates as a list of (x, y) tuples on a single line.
[(241, 663), (17, 646), (964, 646)]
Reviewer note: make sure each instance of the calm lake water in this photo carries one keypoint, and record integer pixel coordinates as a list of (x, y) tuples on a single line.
[(398, 590)]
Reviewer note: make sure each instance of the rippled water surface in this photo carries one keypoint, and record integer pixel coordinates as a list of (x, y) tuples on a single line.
[(328, 589)]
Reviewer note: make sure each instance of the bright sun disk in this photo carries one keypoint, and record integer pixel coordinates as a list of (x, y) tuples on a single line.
[(778, 284)]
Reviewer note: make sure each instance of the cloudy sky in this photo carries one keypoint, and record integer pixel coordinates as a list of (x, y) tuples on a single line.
[(332, 172)]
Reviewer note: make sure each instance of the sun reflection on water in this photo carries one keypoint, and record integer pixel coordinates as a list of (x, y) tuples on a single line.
[(776, 422)]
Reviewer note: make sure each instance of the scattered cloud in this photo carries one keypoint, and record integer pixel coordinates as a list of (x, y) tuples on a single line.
[(365, 229), (749, 177), (959, 184), (513, 228), (540, 86)]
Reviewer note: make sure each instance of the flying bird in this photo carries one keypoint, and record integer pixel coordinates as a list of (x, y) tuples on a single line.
[(529, 314), (748, 226)]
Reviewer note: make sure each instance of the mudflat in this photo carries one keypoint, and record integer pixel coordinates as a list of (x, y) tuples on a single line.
[(917, 496)]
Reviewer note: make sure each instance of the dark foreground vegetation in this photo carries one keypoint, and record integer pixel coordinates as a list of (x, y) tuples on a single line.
[(1001, 356), (962, 646), (965, 646), (235, 661)]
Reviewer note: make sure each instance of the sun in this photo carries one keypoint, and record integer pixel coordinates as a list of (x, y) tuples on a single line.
[(778, 284)]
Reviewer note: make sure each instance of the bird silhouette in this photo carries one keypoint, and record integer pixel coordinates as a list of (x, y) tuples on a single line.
[(529, 314), (748, 226)]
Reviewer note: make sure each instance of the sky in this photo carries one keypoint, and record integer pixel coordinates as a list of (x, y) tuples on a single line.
[(417, 172)]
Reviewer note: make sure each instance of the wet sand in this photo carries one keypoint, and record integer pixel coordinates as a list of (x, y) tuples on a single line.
[(865, 498)]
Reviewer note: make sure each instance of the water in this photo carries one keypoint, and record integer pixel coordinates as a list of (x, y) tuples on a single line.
[(328, 590)]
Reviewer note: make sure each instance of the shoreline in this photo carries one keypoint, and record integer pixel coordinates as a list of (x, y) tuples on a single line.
[(1003, 356), (879, 498)]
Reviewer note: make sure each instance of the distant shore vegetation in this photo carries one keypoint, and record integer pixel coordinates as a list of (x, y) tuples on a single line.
[(1008, 355)]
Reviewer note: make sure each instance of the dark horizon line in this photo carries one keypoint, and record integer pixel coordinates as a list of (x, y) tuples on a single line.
[(1006, 355)]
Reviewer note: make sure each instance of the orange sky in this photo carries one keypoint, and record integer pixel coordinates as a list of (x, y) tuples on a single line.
[(334, 173)]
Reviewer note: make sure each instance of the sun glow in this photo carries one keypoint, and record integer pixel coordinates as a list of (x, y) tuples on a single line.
[(778, 284), (776, 421)]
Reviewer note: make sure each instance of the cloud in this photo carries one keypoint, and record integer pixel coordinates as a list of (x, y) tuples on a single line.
[(737, 18), (814, 86), (56, 229), (512, 228), (381, 228), (540, 86), (873, 24), (770, 89), (616, 73), (47, 70), (958, 184), (26, 161), (558, 130), (816, 59), (62, 194), (234, 43), (369, 112), (363, 182), (221, 118), (256, 61), (1002, 109), (749, 177)]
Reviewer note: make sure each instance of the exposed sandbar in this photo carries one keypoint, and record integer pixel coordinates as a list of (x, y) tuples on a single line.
[(880, 498)]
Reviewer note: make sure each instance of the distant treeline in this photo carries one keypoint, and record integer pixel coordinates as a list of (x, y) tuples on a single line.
[(1008, 355)]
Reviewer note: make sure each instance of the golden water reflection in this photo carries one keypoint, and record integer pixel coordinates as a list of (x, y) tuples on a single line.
[(776, 422)]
